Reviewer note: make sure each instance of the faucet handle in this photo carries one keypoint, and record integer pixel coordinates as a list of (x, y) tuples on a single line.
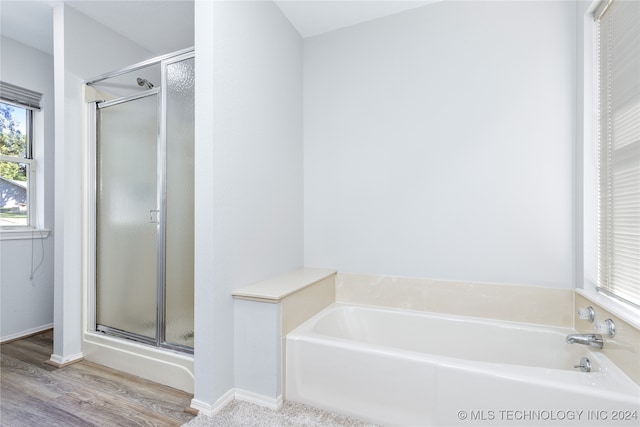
[(587, 313), (606, 327)]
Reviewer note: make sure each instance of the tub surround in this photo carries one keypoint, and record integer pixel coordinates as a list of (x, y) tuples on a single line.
[(300, 306), (275, 289), (264, 313), (614, 306), (525, 304), (624, 348)]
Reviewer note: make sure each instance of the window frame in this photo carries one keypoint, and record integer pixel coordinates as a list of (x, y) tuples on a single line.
[(31, 170), (604, 146), (587, 179)]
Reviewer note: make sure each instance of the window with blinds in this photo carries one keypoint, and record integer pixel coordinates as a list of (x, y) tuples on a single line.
[(618, 27), (17, 166), (19, 96)]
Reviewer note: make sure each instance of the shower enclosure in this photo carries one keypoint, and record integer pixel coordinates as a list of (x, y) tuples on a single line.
[(144, 203)]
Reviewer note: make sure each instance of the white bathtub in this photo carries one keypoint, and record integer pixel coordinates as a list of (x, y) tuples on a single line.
[(397, 367)]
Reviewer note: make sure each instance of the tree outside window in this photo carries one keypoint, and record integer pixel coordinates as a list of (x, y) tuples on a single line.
[(15, 162)]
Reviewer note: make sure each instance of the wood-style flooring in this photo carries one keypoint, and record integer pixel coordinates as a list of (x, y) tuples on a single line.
[(83, 394)]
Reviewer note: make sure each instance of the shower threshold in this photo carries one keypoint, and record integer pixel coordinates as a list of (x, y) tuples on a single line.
[(144, 339)]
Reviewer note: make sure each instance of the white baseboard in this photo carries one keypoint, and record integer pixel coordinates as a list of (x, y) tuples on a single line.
[(62, 361), (24, 334), (259, 399), (210, 410)]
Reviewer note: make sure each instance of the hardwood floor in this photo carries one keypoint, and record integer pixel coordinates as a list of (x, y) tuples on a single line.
[(83, 394)]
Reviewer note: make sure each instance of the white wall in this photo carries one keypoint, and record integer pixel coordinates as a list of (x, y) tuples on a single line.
[(248, 170), (258, 350), (94, 49), (27, 303), (439, 143), (205, 294)]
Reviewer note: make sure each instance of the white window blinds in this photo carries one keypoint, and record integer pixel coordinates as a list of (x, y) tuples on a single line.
[(21, 97), (619, 157)]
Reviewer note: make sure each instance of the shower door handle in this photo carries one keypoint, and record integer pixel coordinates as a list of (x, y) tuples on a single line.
[(153, 216)]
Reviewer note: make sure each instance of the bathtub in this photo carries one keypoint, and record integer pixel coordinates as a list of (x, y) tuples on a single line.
[(398, 367)]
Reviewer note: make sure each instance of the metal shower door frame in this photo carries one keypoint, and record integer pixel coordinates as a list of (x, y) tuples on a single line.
[(91, 171), (160, 225)]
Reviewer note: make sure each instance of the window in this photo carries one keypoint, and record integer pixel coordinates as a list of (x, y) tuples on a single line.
[(17, 166), (618, 29)]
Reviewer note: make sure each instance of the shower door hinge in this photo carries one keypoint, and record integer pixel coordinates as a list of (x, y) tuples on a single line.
[(153, 216)]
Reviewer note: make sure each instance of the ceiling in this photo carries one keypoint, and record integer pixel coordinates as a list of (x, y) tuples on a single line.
[(151, 23), (158, 25), (314, 17), (29, 22)]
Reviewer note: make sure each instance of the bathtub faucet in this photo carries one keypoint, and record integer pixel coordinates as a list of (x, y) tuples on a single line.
[(591, 340)]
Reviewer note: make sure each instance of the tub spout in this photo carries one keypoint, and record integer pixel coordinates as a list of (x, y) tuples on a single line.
[(591, 340)]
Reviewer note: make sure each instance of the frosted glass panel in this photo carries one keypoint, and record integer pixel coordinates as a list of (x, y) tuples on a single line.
[(179, 210), (127, 244)]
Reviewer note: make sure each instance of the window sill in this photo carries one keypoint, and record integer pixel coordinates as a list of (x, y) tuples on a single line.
[(624, 311), (23, 233)]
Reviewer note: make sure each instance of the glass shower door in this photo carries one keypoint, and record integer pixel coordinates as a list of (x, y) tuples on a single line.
[(179, 120), (127, 217)]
